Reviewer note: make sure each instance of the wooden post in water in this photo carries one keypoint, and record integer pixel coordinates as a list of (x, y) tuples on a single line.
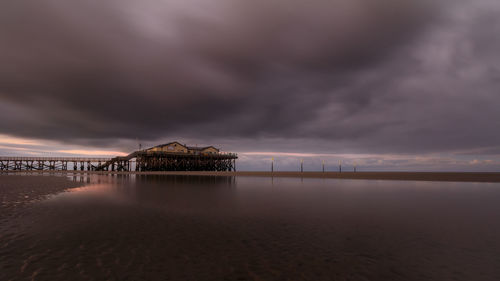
[(340, 166), (323, 164), (301, 165), (272, 164)]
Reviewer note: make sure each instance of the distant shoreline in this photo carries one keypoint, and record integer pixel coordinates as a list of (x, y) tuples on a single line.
[(406, 176)]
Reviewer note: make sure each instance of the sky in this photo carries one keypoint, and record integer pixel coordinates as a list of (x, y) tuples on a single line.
[(386, 85)]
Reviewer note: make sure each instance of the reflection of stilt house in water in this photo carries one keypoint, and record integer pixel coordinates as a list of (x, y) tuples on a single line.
[(175, 156)]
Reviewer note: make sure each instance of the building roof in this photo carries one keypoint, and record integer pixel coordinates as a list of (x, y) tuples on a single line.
[(188, 147), (200, 148), (168, 144)]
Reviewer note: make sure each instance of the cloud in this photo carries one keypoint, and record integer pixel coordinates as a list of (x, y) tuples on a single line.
[(339, 76)]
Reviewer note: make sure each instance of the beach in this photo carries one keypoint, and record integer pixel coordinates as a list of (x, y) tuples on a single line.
[(187, 227)]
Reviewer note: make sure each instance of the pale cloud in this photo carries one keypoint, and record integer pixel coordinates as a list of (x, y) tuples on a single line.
[(6, 139), (14, 148)]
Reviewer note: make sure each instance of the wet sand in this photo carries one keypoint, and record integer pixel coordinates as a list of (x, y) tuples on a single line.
[(17, 192), (156, 227), (405, 176), (19, 195)]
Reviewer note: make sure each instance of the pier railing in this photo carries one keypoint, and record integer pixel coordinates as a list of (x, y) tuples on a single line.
[(67, 159)]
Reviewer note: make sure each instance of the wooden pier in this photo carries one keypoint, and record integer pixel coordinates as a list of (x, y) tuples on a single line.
[(168, 157), (50, 163)]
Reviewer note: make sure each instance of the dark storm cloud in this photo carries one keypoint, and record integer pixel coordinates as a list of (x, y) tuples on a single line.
[(385, 76)]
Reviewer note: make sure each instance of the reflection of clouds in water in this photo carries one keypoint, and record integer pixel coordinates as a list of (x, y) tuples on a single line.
[(261, 196)]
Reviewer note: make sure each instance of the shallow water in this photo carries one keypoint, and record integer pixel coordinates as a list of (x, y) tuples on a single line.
[(249, 228)]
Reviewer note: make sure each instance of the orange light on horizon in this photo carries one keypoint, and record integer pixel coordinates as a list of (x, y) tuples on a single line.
[(5, 139), (299, 154), (93, 152)]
